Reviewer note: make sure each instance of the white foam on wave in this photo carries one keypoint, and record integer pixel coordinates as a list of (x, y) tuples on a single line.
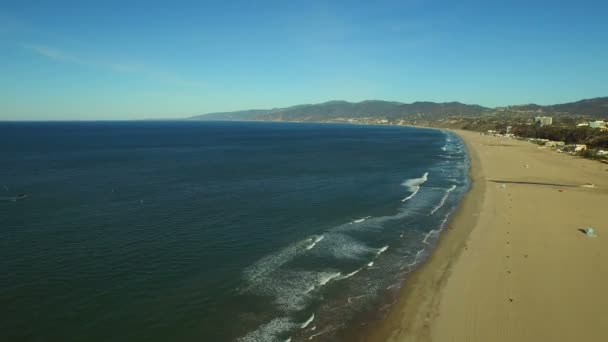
[(443, 199), (413, 185), (270, 263), (293, 290), (361, 219), (290, 289), (414, 182), (413, 263), (393, 286), (432, 232), (342, 246), (352, 273), (327, 278), (270, 331), (363, 224), (308, 290), (369, 264), (324, 331), (412, 195), (382, 250), (308, 321), (350, 299), (445, 220), (315, 241), (323, 279)]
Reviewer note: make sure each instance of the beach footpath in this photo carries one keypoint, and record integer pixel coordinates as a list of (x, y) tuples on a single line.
[(518, 261)]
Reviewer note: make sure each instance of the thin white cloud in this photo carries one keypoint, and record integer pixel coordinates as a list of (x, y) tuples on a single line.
[(61, 55), (55, 54)]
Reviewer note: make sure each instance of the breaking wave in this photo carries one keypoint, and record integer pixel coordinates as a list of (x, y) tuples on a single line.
[(308, 321), (346, 253), (416, 258), (352, 273), (315, 241), (270, 331), (413, 185), (382, 250), (429, 234), (361, 219), (443, 199), (270, 263)]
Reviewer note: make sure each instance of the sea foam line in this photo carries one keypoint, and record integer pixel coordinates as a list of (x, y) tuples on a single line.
[(352, 273), (328, 278), (443, 199), (382, 250), (323, 281), (270, 263), (413, 263), (445, 220), (413, 185), (411, 196), (361, 219), (315, 241), (269, 331), (308, 321), (371, 263), (429, 234), (324, 331)]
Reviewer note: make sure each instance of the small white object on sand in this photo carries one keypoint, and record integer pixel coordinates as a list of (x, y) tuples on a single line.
[(590, 232)]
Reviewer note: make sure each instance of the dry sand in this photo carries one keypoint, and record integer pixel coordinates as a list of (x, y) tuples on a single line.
[(513, 265)]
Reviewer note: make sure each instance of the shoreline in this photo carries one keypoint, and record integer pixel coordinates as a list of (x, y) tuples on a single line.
[(409, 317), (467, 289)]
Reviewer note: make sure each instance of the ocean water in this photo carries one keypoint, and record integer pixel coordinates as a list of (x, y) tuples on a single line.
[(211, 231)]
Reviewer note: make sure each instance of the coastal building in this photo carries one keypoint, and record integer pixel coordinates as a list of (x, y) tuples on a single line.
[(555, 144), (543, 120), (579, 147), (574, 148), (538, 141), (598, 124)]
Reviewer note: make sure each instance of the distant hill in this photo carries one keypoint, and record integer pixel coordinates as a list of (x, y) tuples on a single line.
[(597, 107), (332, 110), (342, 109), (232, 116)]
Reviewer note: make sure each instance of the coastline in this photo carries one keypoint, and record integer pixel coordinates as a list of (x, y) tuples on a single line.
[(503, 271), (416, 303)]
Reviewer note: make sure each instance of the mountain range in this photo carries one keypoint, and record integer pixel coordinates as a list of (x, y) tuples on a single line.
[(336, 110)]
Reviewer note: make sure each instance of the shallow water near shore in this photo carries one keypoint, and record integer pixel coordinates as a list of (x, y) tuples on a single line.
[(215, 231)]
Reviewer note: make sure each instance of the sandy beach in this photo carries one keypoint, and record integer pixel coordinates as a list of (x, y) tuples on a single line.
[(513, 264)]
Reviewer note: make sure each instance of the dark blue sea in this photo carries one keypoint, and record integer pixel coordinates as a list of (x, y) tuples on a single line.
[(214, 231)]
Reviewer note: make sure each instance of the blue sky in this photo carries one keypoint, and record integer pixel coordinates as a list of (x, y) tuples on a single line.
[(64, 60)]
